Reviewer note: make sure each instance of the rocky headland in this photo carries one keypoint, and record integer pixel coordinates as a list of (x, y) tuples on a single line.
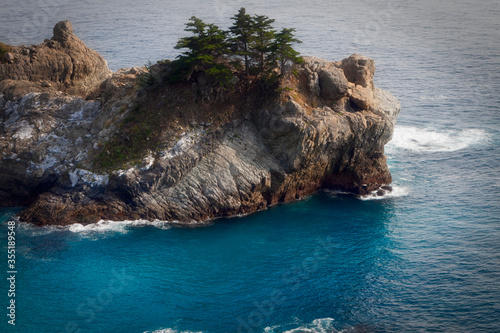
[(79, 143)]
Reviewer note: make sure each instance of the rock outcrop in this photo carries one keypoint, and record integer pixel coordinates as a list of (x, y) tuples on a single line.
[(63, 63), (327, 129)]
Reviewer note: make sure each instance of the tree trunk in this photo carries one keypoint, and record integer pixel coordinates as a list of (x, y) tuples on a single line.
[(246, 60)]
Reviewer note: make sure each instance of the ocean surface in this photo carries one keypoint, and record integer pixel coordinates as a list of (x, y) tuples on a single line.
[(424, 259)]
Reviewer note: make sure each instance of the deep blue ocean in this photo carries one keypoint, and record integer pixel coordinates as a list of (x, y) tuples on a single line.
[(424, 259)]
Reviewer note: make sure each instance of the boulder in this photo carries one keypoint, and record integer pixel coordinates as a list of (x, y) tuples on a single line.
[(362, 97), (8, 58), (63, 62), (63, 31), (333, 83), (359, 70)]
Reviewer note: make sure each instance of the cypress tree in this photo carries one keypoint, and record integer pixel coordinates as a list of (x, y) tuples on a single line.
[(242, 30), (264, 35), (204, 51), (282, 50)]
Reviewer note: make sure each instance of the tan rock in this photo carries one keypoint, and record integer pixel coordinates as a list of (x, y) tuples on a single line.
[(279, 151), (359, 70), (333, 83), (8, 58), (64, 62), (362, 97)]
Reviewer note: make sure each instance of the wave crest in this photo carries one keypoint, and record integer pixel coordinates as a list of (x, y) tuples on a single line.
[(94, 230), (116, 226), (432, 140), (321, 325), (397, 191), (171, 330)]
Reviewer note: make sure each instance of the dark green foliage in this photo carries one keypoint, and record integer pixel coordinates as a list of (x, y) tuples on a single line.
[(4, 48), (263, 38), (205, 53), (243, 32), (146, 79), (220, 73), (282, 51), (215, 55)]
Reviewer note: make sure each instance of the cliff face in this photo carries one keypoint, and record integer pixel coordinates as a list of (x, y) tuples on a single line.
[(325, 129)]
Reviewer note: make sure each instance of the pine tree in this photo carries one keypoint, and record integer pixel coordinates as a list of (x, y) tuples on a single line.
[(205, 51), (242, 30), (264, 35), (282, 51)]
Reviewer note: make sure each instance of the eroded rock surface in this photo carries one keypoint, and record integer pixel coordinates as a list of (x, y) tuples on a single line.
[(62, 63), (326, 130)]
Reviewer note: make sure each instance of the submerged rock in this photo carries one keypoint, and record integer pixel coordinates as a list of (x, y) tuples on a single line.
[(326, 130)]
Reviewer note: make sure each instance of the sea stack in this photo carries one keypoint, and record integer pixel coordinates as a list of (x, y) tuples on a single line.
[(80, 144)]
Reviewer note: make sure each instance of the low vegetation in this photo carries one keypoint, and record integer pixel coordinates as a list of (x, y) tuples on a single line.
[(220, 75), (4, 48)]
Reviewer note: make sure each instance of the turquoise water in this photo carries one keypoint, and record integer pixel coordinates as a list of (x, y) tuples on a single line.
[(425, 259)]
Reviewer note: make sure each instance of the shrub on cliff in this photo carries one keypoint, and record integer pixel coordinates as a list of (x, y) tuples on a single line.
[(252, 39), (203, 59), (4, 48), (282, 51)]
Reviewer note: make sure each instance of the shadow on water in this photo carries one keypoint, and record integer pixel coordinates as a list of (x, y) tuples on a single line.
[(327, 256)]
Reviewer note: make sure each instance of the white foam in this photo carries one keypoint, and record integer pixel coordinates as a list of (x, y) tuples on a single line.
[(33, 230), (97, 230), (171, 330), (432, 140), (321, 325), (397, 191), (115, 226)]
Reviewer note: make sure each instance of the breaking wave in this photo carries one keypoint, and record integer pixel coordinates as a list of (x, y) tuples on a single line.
[(171, 330), (321, 325), (93, 230), (397, 191), (116, 226), (432, 140)]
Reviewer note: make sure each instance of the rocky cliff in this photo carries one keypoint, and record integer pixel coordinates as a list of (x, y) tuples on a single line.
[(90, 145), (62, 63)]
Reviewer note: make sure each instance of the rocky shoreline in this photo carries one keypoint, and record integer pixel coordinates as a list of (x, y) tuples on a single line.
[(62, 109)]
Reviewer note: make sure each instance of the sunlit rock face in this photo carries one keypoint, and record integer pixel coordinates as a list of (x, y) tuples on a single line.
[(60, 106)]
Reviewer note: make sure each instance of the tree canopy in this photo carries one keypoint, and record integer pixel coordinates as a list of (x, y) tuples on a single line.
[(263, 38), (282, 50), (243, 33), (205, 48), (251, 40)]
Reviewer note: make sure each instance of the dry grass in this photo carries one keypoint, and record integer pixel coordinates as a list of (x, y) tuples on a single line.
[(4, 48), (165, 113)]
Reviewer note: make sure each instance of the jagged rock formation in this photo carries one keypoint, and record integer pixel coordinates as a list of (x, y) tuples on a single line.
[(327, 129), (63, 63)]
